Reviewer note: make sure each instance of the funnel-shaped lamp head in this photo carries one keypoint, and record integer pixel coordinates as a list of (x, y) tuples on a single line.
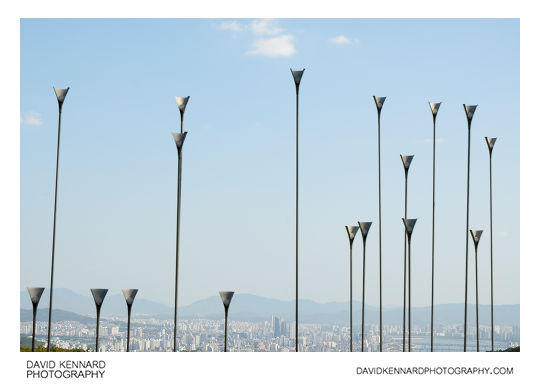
[(351, 232), (226, 297), (181, 102), (469, 111), (434, 107), (60, 94), (35, 294), (129, 295), (364, 228), (297, 76), (490, 143), (409, 225), (406, 159), (179, 139), (99, 295), (476, 234), (379, 101)]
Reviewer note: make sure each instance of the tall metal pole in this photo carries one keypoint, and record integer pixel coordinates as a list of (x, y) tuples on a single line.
[(351, 232), (181, 102), (434, 110), (409, 243), (34, 313), (409, 227), (98, 310), (99, 296), (364, 228), (226, 297), (379, 101), (35, 295), (406, 160), (490, 143), (128, 327), (60, 96), (476, 234), (469, 112), (129, 295), (297, 77)]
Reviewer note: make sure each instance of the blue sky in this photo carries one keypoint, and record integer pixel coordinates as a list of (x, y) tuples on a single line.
[(117, 187)]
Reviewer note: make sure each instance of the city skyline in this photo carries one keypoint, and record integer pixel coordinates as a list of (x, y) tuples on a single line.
[(117, 179)]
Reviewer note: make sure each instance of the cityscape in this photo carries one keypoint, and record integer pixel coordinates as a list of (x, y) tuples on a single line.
[(271, 335)]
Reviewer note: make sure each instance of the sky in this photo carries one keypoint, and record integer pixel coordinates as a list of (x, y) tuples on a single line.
[(116, 217)]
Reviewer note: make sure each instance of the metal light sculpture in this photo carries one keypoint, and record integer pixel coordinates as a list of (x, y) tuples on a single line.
[(476, 234), (491, 143), (35, 296), (406, 160), (60, 96), (469, 113), (297, 77), (409, 227), (434, 110), (226, 297), (129, 295), (351, 232), (99, 296), (379, 101), (179, 141), (364, 229)]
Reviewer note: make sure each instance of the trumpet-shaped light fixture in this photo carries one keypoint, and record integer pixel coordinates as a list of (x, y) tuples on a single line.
[(491, 143), (129, 295), (409, 227), (406, 160), (99, 296), (469, 113), (351, 233), (476, 234), (364, 229), (297, 77), (35, 296), (379, 102), (60, 97), (179, 139), (434, 110), (226, 297)]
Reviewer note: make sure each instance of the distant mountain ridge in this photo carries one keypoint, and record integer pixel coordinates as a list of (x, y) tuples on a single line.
[(248, 307)]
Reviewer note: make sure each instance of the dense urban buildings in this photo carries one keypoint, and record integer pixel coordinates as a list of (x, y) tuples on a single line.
[(273, 335)]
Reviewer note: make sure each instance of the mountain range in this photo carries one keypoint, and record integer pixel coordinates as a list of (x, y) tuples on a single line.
[(248, 307)]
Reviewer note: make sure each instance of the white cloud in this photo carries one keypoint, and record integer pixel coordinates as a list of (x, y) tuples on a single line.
[(265, 27), (31, 119), (231, 26), (341, 40), (274, 46)]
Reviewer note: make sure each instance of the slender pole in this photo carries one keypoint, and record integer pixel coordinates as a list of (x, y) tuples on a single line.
[(491, 243), (178, 202), (128, 326), (433, 235), (34, 308), (409, 239), (476, 273), (226, 319), (350, 296), (467, 234), (380, 228), (54, 226), (405, 262), (363, 287), (98, 309), (296, 323)]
